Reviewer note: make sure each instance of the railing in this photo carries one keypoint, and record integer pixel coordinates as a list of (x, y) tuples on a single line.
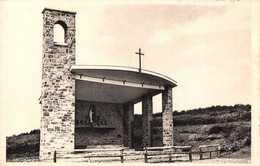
[(184, 150), (169, 150), (120, 155), (148, 151), (206, 149)]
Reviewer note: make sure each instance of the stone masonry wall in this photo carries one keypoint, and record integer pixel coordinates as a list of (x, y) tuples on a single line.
[(106, 128), (128, 120), (167, 117), (58, 85), (147, 118), (157, 132)]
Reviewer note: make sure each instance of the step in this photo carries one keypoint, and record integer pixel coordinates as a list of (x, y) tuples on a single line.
[(104, 146)]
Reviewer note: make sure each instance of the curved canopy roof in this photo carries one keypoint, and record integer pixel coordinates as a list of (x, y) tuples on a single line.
[(117, 84)]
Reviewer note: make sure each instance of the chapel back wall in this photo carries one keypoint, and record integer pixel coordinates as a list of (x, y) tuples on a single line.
[(106, 128)]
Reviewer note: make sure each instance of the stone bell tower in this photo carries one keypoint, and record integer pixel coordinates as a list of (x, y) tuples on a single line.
[(58, 84)]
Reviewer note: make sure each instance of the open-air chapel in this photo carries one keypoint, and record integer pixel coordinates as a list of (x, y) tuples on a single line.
[(93, 106)]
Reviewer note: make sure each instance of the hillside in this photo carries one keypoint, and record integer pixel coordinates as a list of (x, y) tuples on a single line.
[(24, 146), (229, 126)]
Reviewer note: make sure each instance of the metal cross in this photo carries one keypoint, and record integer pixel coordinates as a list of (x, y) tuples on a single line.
[(139, 58)]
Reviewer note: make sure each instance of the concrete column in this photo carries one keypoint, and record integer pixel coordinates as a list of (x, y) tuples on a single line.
[(167, 117), (128, 119), (147, 117)]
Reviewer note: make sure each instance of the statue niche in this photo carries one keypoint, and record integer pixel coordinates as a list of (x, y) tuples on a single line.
[(91, 119), (92, 114), (95, 119)]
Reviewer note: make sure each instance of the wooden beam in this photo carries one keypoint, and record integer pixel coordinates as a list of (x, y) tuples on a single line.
[(117, 82)]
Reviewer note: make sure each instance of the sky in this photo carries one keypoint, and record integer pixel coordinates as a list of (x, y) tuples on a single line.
[(205, 48)]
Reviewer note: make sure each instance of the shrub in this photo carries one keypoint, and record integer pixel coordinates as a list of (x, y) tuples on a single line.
[(225, 129), (241, 132), (36, 131), (175, 113), (246, 116)]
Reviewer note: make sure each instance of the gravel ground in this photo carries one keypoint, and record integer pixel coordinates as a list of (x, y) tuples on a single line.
[(211, 161), (224, 160)]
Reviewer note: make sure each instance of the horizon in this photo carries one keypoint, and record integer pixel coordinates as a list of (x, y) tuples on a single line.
[(205, 48)]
